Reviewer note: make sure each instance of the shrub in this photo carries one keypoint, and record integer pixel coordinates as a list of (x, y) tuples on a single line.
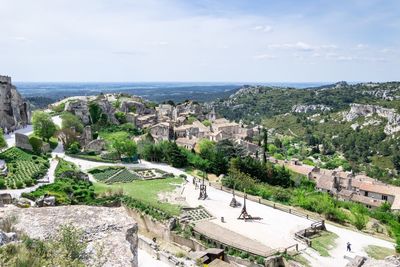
[(2, 184), (36, 144), (19, 184)]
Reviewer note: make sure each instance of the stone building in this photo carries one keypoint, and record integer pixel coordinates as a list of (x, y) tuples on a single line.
[(15, 113), (161, 131), (357, 188)]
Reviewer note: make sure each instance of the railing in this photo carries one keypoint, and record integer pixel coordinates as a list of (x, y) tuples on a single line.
[(304, 235)]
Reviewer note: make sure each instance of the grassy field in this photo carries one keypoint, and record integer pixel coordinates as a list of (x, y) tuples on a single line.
[(109, 137), (379, 253), (324, 242), (146, 191)]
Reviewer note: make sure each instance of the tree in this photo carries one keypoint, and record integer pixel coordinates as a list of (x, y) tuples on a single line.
[(207, 149), (67, 137), (3, 142), (125, 147), (265, 144), (43, 125), (396, 161), (174, 156), (70, 121), (95, 112)]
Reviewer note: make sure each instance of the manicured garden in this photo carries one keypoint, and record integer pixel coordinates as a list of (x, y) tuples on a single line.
[(24, 168), (110, 175)]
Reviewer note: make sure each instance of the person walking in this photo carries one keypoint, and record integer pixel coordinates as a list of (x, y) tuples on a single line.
[(348, 247)]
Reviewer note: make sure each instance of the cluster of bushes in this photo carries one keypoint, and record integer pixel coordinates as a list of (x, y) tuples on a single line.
[(66, 249), (212, 157), (68, 187), (146, 208)]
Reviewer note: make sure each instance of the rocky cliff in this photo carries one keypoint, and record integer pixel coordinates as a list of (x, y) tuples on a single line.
[(14, 111), (393, 118)]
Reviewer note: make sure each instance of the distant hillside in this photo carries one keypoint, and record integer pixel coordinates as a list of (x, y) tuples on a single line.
[(252, 103), (340, 125)]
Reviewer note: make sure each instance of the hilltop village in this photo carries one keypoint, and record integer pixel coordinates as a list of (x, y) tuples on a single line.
[(186, 123)]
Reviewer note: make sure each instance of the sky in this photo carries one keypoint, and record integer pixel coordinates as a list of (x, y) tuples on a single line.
[(200, 40)]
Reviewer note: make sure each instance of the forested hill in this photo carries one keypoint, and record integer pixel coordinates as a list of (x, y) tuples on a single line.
[(341, 125), (252, 103)]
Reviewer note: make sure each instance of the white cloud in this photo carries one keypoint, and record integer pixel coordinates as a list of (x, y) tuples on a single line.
[(361, 46), (263, 28), (265, 56), (301, 46)]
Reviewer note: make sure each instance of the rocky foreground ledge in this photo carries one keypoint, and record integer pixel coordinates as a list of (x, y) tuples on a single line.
[(109, 231)]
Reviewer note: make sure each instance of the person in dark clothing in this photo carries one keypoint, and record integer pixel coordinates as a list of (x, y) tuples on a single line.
[(348, 246)]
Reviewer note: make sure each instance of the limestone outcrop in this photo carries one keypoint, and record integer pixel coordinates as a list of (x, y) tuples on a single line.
[(110, 229), (15, 113), (309, 108), (79, 108), (360, 110)]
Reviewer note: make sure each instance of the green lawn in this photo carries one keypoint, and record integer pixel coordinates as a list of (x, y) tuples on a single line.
[(324, 242), (110, 136), (379, 253), (146, 191)]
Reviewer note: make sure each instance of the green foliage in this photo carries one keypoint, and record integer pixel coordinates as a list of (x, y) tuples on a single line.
[(2, 183), (74, 148), (36, 144), (95, 112), (70, 240), (207, 123), (268, 173), (324, 242), (43, 125), (120, 116), (58, 108), (125, 147), (70, 121), (66, 249), (112, 175), (64, 166), (68, 188), (3, 142), (23, 167)]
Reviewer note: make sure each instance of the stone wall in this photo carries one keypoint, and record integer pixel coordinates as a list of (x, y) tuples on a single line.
[(22, 141)]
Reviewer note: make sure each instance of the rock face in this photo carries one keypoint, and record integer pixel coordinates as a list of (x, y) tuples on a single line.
[(109, 228), (358, 110), (309, 108), (79, 108), (14, 111)]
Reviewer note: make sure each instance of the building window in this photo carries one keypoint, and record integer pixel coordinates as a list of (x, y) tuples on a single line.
[(384, 197), (366, 193)]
